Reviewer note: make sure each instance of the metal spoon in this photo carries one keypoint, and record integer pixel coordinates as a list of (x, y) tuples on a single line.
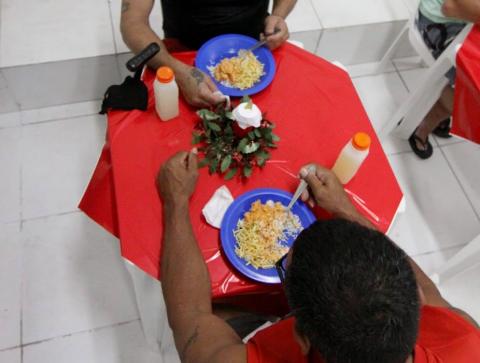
[(243, 52), (301, 188)]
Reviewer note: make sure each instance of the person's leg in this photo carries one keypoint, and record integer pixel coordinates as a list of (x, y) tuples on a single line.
[(439, 112), (437, 37)]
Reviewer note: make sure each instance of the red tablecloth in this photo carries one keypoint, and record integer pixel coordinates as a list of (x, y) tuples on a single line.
[(466, 112), (316, 109)]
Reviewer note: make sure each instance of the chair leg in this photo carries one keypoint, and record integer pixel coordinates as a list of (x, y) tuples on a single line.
[(421, 101), (151, 307), (468, 257), (391, 51), (419, 45)]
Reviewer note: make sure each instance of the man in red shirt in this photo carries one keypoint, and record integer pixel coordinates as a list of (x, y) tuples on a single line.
[(354, 295)]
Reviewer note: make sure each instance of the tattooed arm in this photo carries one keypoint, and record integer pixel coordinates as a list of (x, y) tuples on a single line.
[(138, 34), (197, 88), (200, 336)]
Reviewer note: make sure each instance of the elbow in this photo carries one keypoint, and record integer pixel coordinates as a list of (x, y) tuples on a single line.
[(125, 29), (129, 27), (448, 8)]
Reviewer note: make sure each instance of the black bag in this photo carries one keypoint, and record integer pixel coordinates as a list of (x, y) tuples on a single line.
[(132, 94)]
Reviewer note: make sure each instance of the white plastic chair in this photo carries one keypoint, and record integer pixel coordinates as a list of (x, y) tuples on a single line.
[(416, 41), (458, 280), (468, 257), (421, 99), (153, 314)]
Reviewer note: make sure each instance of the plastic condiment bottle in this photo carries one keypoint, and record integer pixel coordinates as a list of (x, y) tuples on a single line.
[(351, 157), (166, 94)]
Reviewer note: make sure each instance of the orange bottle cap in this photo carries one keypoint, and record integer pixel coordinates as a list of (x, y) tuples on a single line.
[(361, 141), (165, 74)]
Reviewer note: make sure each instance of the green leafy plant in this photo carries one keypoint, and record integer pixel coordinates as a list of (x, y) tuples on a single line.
[(228, 150)]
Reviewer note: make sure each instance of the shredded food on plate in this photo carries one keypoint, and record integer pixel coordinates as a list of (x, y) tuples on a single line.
[(262, 233), (242, 71)]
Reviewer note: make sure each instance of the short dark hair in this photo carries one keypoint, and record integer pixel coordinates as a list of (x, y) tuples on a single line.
[(353, 294)]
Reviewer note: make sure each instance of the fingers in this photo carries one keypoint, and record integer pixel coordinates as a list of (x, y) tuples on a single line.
[(305, 195), (326, 176), (322, 173), (193, 160), (278, 29), (270, 23), (278, 38), (208, 92), (310, 178), (179, 158), (209, 96)]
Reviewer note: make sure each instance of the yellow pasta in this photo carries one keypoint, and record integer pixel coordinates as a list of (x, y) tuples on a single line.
[(240, 72), (262, 233)]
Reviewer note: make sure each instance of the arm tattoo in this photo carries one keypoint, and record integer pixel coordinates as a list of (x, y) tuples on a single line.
[(198, 75), (125, 6), (188, 344)]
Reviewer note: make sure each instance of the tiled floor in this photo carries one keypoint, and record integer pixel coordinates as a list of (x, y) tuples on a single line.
[(65, 295)]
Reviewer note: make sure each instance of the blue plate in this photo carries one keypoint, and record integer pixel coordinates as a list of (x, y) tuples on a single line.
[(237, 210), (227, 46)]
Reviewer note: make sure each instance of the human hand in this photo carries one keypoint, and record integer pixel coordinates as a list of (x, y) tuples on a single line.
[(197, 88), (326, 191), (177, 177), (276, 31)]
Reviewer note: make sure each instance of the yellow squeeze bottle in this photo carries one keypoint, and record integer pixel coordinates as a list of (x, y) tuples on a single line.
[(351, 157)]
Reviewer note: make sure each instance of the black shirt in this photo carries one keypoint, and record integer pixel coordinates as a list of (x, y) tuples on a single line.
[(194, 22)]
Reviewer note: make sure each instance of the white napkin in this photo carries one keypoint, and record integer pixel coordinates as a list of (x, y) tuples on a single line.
[(216, 207), (225, 97)]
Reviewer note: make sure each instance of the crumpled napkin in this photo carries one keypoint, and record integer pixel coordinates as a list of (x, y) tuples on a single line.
[(216, 207)]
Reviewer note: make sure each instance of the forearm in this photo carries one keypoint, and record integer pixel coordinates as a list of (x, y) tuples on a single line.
[(283, 7), (138, 36), (468, 10), (185, 278)]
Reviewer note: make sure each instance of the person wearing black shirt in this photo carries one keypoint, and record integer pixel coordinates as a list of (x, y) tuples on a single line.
[(193, 22)]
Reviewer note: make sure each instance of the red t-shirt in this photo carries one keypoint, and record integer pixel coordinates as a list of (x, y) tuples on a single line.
[(443, 337)]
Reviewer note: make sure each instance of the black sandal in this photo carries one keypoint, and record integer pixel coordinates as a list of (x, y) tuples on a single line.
[(422, 154), (443, 129)]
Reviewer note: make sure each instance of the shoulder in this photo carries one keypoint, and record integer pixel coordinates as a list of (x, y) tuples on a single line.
[(446, 336), (440, 325)]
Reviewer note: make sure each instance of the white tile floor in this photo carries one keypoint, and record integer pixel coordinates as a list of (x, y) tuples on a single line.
[(65, 295)]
